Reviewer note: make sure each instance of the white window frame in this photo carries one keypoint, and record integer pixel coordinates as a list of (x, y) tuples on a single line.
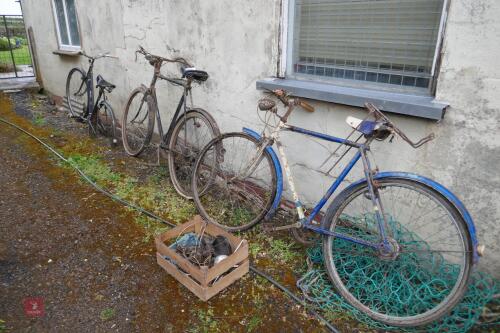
[(65, 47), (285, 69)]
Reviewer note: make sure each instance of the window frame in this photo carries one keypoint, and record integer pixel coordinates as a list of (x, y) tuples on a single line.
[(285, 68), (66, 47)]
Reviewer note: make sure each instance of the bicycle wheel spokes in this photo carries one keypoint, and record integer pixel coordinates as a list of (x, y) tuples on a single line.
[(191, 134), (137, 124), (428, 265), (238, 182), (105, 122), (76, 92)]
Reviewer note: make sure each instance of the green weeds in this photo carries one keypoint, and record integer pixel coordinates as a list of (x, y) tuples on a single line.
[(255, 249), (38, 120), (206, 321), (93, 167), (282, 250), (156, 196), (107, 314), (151, 227), (254, 323)]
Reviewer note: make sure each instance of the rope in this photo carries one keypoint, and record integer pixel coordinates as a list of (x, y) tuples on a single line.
[(159, 219)]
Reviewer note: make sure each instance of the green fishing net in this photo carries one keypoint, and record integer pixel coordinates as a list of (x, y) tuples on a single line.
[(413, 283)]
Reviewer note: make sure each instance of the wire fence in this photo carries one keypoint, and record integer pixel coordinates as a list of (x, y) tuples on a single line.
[(15, 55)]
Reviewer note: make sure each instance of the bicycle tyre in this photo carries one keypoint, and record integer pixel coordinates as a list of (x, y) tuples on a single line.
[(249, 188), (180, 159), (76, 105), (103, 122), (133, 144), (341, 267)]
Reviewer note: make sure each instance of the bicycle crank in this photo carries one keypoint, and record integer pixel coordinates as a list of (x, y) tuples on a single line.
[(296, 225)]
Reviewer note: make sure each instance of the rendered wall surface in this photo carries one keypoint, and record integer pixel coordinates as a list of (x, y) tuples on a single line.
[(236, 42)]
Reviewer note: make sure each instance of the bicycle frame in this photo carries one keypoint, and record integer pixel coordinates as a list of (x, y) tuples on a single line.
[(186, 84), (89, 81), (93, 103), (360, 154)]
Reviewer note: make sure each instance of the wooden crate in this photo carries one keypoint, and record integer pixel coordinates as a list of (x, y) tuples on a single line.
[(200, 279)]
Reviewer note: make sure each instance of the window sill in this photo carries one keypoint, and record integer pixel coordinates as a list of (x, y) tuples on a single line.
[(68, 53), (407, 104)]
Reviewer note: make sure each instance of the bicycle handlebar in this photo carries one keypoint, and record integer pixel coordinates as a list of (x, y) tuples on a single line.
[(102, 55), (283, 97), (378, 115), (154, 59), (306, 106)]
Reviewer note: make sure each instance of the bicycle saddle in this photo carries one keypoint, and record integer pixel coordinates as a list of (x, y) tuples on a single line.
[(101, 83), (195, 74), (369, 127)]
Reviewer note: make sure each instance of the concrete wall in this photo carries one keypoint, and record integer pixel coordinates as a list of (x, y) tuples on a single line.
[(237, 43)]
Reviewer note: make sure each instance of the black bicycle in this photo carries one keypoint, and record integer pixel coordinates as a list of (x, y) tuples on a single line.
[(80, 99), (190, 128)]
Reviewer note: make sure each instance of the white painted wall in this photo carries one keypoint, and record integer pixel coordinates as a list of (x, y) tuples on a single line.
[(237, 43)]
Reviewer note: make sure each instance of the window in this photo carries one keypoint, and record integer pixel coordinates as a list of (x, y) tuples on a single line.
[(386, 44), (66, 24)]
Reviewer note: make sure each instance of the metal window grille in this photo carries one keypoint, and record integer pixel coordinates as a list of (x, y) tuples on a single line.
[(382, 41)]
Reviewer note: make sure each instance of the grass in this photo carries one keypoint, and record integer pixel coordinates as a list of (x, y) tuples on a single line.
[(2, 326), (107, 314), (254, 323), (154, 195), (93, 167), (206, 321), (254, 248), (282, 250), (22, 56), (39, 120)]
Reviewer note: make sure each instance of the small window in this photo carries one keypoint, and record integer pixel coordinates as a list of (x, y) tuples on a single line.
[(383, 44), (67, 24)]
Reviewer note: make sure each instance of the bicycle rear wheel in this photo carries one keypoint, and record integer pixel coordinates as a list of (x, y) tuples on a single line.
[(138, 121), (425, 274), (103, 122), (234, 181), (192, 132), (76, 92)]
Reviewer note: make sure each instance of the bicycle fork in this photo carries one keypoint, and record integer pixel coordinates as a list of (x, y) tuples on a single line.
[(385, 246)]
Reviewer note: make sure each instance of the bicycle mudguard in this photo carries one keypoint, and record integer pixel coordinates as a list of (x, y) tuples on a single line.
[(279, 173), (447, 194)]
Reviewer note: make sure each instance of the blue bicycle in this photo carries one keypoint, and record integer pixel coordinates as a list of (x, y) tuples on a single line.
[(405, 239)]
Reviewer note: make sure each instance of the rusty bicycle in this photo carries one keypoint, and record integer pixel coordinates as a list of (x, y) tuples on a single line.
[(405, 231), (190, 128), (97, 113)]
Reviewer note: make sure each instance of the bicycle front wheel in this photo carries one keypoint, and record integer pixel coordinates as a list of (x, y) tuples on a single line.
[(76, 92), (234, 181), (425, 273), (138, 121), (192, 132), (103, 122)]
